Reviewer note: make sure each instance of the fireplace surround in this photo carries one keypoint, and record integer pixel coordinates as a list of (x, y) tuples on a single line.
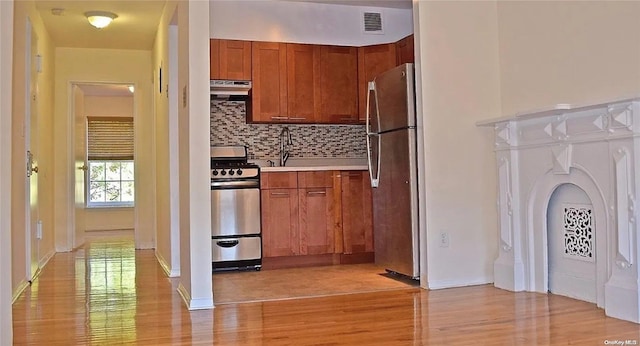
[(597, 149)]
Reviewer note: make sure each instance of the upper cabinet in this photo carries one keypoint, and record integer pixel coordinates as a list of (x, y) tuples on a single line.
[(405, 50), (303, 75), (230, 59), (339, 84), (372, 60), (306, 83), (269, 76)]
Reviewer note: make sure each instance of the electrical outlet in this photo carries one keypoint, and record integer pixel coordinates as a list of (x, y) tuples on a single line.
[(444, 239)]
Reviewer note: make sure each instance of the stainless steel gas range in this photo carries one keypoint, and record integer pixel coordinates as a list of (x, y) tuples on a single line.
[(235, 210)]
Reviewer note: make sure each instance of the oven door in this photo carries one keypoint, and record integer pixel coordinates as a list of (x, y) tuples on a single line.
[(235, 211)]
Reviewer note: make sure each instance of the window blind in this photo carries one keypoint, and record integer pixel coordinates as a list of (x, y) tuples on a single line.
[(110, 138)]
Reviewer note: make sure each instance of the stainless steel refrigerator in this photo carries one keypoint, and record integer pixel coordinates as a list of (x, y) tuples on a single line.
[(393, 169)]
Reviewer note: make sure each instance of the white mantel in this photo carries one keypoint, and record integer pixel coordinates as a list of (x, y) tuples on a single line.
[(595, 147)]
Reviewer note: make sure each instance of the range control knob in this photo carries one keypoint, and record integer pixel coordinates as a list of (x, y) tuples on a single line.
[(223, 172), (231, 172), (214, 172), (239, 171)]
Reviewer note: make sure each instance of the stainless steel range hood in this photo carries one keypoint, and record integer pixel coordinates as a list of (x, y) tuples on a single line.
[(229, 89)]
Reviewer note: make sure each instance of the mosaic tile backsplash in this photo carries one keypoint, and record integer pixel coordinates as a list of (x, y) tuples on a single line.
[(229, 127)]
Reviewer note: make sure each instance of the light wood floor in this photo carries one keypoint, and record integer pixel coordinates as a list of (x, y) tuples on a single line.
[(110, 294), (291, 283)]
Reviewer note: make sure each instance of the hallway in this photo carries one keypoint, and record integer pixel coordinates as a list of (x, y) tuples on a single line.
[(108, 293)]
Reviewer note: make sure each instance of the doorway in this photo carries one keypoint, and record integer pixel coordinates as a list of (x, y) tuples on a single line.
[(571, 244), (103, 116)]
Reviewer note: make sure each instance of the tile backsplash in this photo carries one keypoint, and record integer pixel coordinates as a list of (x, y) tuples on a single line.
[(229, 127)]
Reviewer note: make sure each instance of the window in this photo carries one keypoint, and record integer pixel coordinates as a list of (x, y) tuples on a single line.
[(110, 156), (110, 183)]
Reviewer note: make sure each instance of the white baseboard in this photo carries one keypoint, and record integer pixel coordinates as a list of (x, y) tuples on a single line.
[(440, 284), (19, 290), (194, 304), (172, 273), (44, 260)]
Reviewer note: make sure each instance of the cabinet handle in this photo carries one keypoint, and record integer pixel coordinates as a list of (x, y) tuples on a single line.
[(279, 194), (316, 192), (298, 118), (279, 118), (354, 174)]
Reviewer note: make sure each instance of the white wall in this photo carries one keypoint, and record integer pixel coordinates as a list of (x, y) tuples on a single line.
[(301, 22), (193, 141), (6, 63), (460, 85), (577, 52), (116, 66)]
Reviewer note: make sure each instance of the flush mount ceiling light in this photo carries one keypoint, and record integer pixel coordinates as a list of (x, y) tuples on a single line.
[(100, 19)]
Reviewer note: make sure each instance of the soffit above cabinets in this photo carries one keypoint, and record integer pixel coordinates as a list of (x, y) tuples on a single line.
[(401, 4)]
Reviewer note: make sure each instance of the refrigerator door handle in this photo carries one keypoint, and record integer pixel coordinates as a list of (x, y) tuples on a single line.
[(371, 86), (374, 180)]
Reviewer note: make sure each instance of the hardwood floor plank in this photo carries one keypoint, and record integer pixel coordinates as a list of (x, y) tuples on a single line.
[(109, 294)]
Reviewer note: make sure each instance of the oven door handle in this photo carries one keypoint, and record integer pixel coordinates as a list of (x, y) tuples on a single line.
[(227, 243), (231, 184)]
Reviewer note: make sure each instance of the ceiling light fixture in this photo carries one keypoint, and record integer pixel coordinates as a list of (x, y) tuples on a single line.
[(100, 19)]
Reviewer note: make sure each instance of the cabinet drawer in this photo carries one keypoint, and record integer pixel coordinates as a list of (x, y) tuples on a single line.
[(315, 179), (279, 180)]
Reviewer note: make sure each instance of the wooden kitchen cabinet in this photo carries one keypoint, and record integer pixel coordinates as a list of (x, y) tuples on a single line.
[(357, 212), (280, 224), (316, 218), (405, 50), (339, 84), (317, 227), (303, 75), (230, 59), (269, 76), (372, 60)]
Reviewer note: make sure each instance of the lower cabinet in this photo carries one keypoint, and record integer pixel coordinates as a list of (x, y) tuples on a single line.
[(280, 231), (357, 218), (315, 218)]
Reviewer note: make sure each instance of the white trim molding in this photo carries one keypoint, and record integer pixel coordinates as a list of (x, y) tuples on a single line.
[(596, 148)]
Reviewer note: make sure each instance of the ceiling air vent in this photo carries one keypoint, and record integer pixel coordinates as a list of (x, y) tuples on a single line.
[(373, 23)]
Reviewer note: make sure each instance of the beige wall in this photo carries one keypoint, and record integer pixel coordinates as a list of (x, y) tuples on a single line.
[(460, 85), (116, 66), (167, 218), (576, 52), (6, 61), (43, 152), (108, 218)]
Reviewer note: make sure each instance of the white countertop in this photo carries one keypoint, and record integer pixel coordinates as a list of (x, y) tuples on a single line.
[(314, 164)]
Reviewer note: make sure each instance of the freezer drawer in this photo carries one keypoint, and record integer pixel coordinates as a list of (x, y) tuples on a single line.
[(236, 249)]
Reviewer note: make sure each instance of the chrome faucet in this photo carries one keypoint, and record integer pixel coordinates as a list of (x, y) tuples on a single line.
[(285, 142)]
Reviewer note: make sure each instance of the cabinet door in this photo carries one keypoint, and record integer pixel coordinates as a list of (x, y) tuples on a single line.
[(214, 59), (405, 50), (269, 76), (230, 59), (316, 221), (339, 84), (303, 74), (357, 215), (280, 233), (372, 60)]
